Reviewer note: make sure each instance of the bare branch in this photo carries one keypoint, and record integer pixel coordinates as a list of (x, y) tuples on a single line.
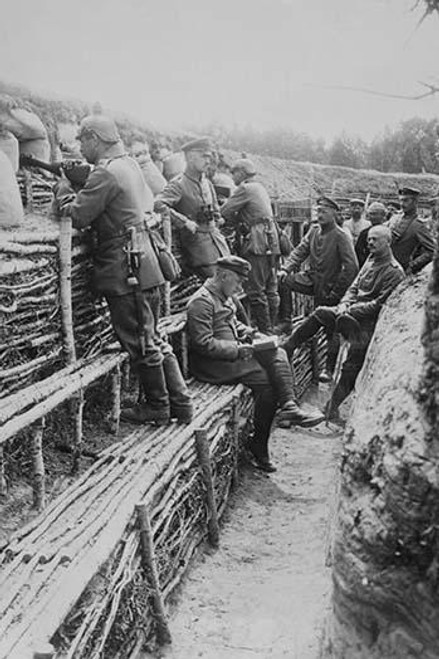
[(432, 89)]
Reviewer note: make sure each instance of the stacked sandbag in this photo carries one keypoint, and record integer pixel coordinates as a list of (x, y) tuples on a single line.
[(11, 206), (28, 129)]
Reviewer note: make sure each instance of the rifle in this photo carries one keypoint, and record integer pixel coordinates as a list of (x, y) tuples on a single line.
[(75, 170)]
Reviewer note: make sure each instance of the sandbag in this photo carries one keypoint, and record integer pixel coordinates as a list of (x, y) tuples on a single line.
[(153, 178), (173, 165), (9, 146), (39, 148), (11, 207), (23, 124)]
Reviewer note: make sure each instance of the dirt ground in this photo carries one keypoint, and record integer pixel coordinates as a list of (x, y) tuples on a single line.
[(265, 592)]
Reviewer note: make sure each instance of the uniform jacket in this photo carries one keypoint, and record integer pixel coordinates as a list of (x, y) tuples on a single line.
[(114, 198), (373, 285), (251, 206), (412, 242), (189, 196), (332, 261), (214, 336)]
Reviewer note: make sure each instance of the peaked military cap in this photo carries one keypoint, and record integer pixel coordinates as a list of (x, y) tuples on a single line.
[(247, 166), (327, 201), (357, 200), (411, 192), (104, 127), (201, 144), (394, 204), (235, 264)]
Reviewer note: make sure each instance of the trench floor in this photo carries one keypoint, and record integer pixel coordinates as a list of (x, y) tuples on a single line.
[(265, 592)]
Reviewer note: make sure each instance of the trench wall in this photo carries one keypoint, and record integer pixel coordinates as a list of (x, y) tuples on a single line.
[(385, 550)]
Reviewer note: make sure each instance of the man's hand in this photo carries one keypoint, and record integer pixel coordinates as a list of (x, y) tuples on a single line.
[(191, 226), (245, 352), (64, 193), (281, 276)]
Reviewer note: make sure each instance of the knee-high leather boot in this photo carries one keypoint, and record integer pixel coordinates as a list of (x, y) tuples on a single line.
[(155, 409), (179, 396), (302, 333)]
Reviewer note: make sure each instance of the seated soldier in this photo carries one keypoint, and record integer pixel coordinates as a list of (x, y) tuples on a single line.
[(220, 352), (356, 315)]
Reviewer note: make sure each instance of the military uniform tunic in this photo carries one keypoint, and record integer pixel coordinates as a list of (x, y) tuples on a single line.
[(412, 242), (332, 264), (196, 200), (115, 198)]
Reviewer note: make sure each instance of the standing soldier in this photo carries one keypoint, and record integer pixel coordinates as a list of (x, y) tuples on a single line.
[(357, 222), (116, 204), (332, 266), (412, 242), (195, 212), (250, 208)]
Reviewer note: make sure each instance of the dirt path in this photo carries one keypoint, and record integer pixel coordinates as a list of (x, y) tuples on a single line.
[(265, 591)]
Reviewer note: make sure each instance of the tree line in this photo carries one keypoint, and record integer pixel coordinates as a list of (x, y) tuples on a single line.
[(411, 147)]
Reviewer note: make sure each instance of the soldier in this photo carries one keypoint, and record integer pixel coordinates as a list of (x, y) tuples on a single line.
[(220, 353), (356, 224), (195, 212), (376, 214), (331, 269), (412, 242), (356, 315), (249, 207), (115, 203)]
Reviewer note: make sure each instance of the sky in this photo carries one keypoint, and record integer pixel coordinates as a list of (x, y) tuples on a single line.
[(262, 63)]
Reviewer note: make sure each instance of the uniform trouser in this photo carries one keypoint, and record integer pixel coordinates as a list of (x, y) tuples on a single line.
[(332, 339), (135, 317), (262, 291)]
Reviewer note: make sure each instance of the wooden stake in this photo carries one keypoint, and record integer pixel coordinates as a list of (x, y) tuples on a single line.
[(167, 236), (78, 412), (184, 357), (150, 568), (203, 454), (65, 283), (235, 440), (39, 474), (3, 483), (115, 399), (29, 193)]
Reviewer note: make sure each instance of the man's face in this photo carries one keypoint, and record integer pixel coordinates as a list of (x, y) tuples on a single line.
[(408, 203), (356, 211), (377, 242), (231, 283), (140, 152), (88, 146), (238, 175), (199, 160), (326, 215), (376, 216)]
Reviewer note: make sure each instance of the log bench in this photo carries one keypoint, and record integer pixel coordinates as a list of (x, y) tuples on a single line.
[(89, 533)]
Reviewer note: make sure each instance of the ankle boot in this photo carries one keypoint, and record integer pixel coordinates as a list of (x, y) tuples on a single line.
[(156, 407), (292, 414), (179, 396)]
